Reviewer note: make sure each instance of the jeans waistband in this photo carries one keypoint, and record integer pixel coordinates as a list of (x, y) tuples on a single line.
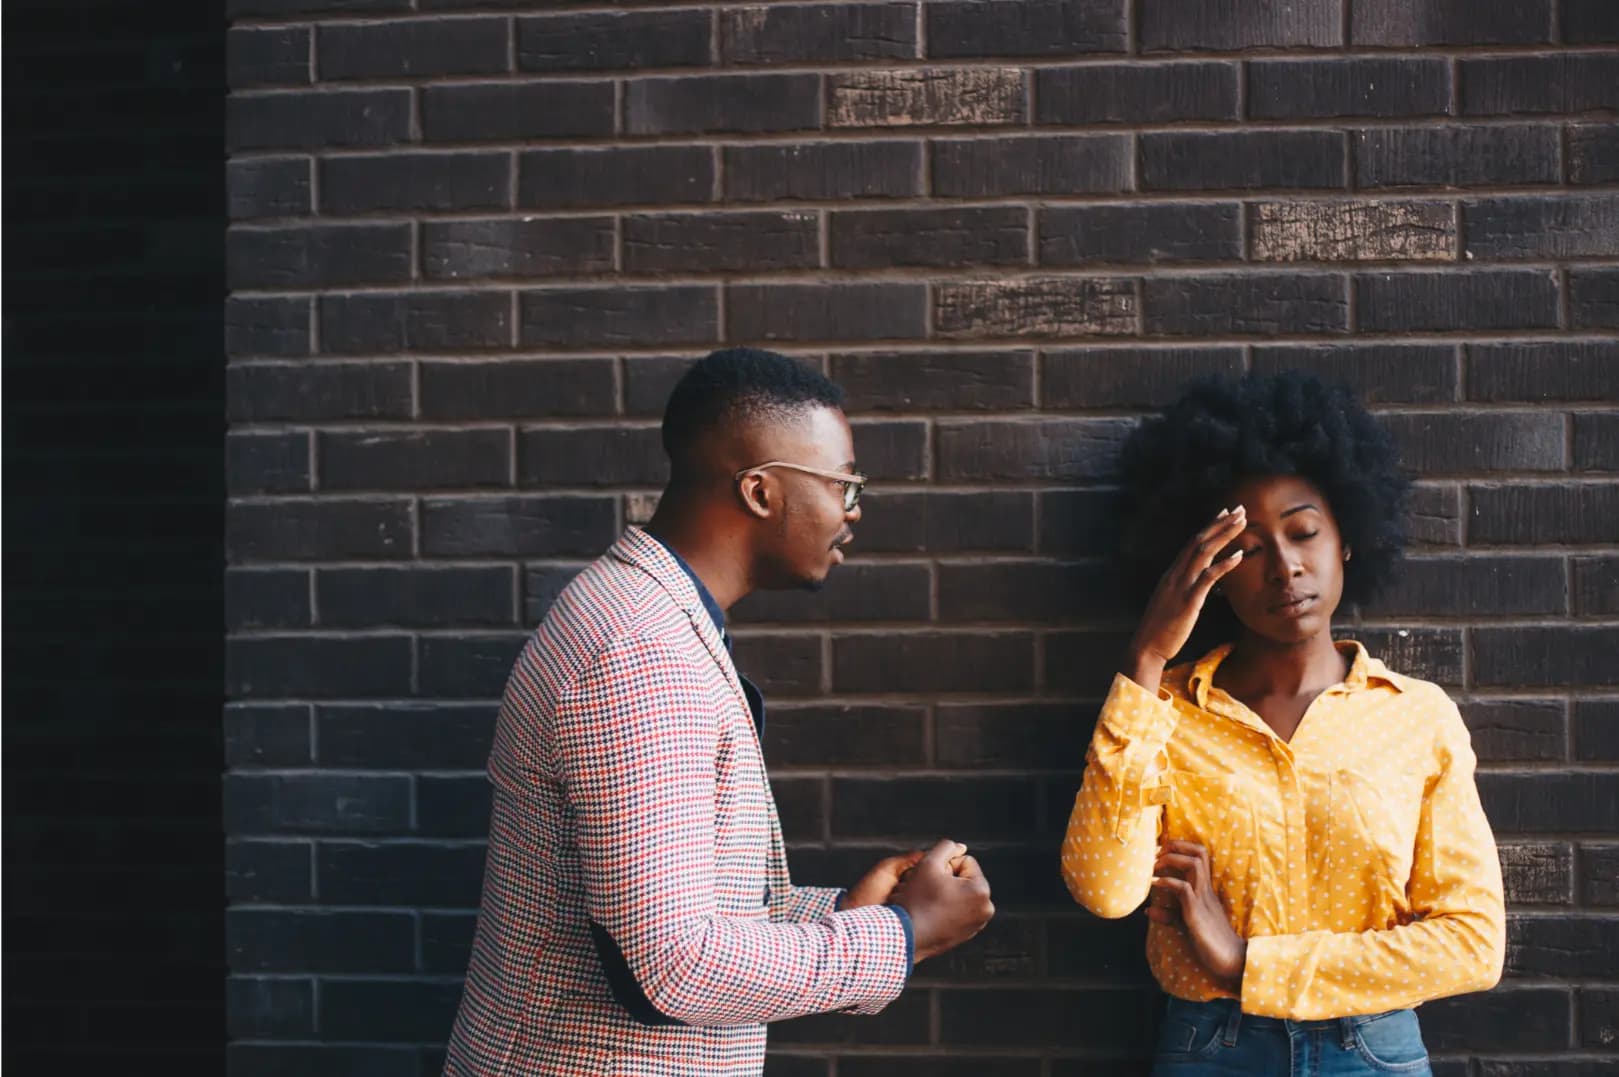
[(1230, 1010)]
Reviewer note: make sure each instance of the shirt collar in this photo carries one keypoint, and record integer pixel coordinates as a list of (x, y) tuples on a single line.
[(1363, 669), (703, 594)]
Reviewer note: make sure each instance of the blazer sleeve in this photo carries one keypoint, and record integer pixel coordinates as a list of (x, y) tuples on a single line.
[(637, 743)]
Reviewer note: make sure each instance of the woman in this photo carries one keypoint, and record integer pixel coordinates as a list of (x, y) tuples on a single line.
[(1304, 819)]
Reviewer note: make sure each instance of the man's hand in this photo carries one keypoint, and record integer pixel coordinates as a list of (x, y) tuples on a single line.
[(947, 898), (878, 884), (1181, 874)]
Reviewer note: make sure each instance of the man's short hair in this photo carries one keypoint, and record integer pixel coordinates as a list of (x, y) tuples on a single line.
[(738, 385)]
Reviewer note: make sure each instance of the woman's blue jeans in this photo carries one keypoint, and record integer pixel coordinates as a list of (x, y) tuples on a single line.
[(1203, 1039)]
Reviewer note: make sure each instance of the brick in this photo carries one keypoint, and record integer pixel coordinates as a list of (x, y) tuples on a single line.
[(1024, 736), (423, 873), (1599, 872), (277, 598), (1593, 153), (959, 28), (877, 239), (1077, 523), (936, 380), (453, 806), (801, 803), (987, 167), (1596, 442), (417, 597), (1262, 304), (916, 809), (1598, 1018), (267, 667), (818, 33), (415, 181), (845, 735), (414, 459), (508, 247), (1571, 513), (1353, 231), (1431, 301), (1369, 86), (317, 255), (1049, 306), (259, 1008), (855, 592), (596, 456), (723, 103), (1566, 82), (1204, 160), (269, 734), (620, 176), (780, 665), (1136, 93), (511, 111), (1549, 656), (1510, 729), (1563, 946), (525, 388), (405, 736), (465, 666), (381, 323), (266, 463), (823, 171), (280, 870), (1082, 663), (1128, 377), (613, 40), (1434, 515), (268, 187), (1593, 298), (307, 940), (1095, 1019), (933, 1064), (947, 522), (1537, 873), (1589, 22), (317, 530), (543, 585), (447, 942), (267, 56), (978, 97), (1439, 443), (528, 526), (761, 312), (387, 1009), (310, 1060), (1153, 232), (315, 120), (413, 48), (1407, 23), (933, 662), (1059, 450), (263, 393), (1377, 373), (1542, 370), (1541, 227), (236, 8), (1596, 585), (271, 328), (1041, 591), (1434, 654), (1230, 24), (722, 242), (1456, 156), (618, 316), (1505, 1019), (891, 449), (1596, 728), (648, 381)]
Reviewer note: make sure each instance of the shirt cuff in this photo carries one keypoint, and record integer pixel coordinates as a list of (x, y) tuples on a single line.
[(910, 937), (1132, 713), (1266, 977)]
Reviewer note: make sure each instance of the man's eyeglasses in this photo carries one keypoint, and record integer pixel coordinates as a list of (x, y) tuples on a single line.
[(853, 482)]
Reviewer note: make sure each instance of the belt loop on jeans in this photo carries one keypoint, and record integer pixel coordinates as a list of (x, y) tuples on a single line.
[(1346, 1030), (1232, 1023)]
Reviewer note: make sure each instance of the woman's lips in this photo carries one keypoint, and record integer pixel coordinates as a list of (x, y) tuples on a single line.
[(1295, 607)]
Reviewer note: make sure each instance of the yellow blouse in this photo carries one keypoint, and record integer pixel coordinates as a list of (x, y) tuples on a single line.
[(1355, 859)]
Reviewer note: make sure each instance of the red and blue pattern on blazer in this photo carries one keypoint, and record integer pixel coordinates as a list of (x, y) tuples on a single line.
[(630, 800)]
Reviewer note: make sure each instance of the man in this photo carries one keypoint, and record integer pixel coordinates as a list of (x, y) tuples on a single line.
[(637, 913)]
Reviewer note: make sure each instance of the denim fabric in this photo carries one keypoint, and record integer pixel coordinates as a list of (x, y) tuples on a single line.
[(1204, 1039)]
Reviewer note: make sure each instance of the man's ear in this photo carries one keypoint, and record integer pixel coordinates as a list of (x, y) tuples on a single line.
[(757, 497)]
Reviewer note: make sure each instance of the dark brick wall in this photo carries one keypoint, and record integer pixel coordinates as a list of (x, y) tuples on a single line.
[(114, 484), (474, 242)]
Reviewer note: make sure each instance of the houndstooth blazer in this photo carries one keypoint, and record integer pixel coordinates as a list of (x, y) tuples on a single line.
[(637, 914)]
